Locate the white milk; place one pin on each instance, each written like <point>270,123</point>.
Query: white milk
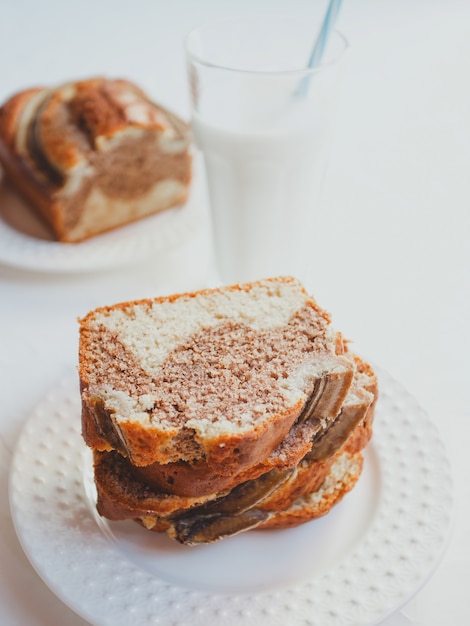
<point>265,166</point>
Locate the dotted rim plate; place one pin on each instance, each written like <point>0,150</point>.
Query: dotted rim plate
<point>403,533</point>
<point>23,244</point>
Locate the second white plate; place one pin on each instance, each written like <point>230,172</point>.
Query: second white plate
<point>355,566</point>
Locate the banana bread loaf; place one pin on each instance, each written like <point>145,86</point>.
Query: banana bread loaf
<point>93,155</point>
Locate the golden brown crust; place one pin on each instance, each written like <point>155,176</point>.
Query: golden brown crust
<point>191,295</point>
<point>200,478</point>
<point>303,511</point>
<point>365,429</point>
<point>103,106</point>
<point>311,475</point>
<point>122,497</point>
<point>9,115</point>
<point>62,144</point>
<point>19,171</point>
<point>307,478</point>
<point>99,112</point>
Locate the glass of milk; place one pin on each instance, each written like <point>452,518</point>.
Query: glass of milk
<point>263,122</point>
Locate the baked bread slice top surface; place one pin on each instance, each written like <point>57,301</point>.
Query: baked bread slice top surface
<point>207,374</point>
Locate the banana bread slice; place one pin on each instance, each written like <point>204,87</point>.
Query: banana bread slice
<point>216,377</point>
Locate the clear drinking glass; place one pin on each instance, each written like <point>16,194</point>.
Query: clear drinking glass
<point>263,122</point>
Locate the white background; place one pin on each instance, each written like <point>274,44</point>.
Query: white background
<point>392,244</point>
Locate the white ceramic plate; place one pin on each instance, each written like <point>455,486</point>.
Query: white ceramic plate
<point>25,242</point>
<point>354,566</point>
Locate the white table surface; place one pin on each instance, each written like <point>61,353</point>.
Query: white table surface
<point>392,245</point>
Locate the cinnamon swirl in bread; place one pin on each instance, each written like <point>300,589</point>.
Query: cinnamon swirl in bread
<point>217,376</point>
<point>93,155</point>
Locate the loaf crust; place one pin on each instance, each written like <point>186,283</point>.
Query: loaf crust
<point>93,155</point>
<point>319,502</point>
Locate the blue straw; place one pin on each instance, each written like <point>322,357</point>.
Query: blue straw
<point>320,44</point>
<point>327,27</point>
